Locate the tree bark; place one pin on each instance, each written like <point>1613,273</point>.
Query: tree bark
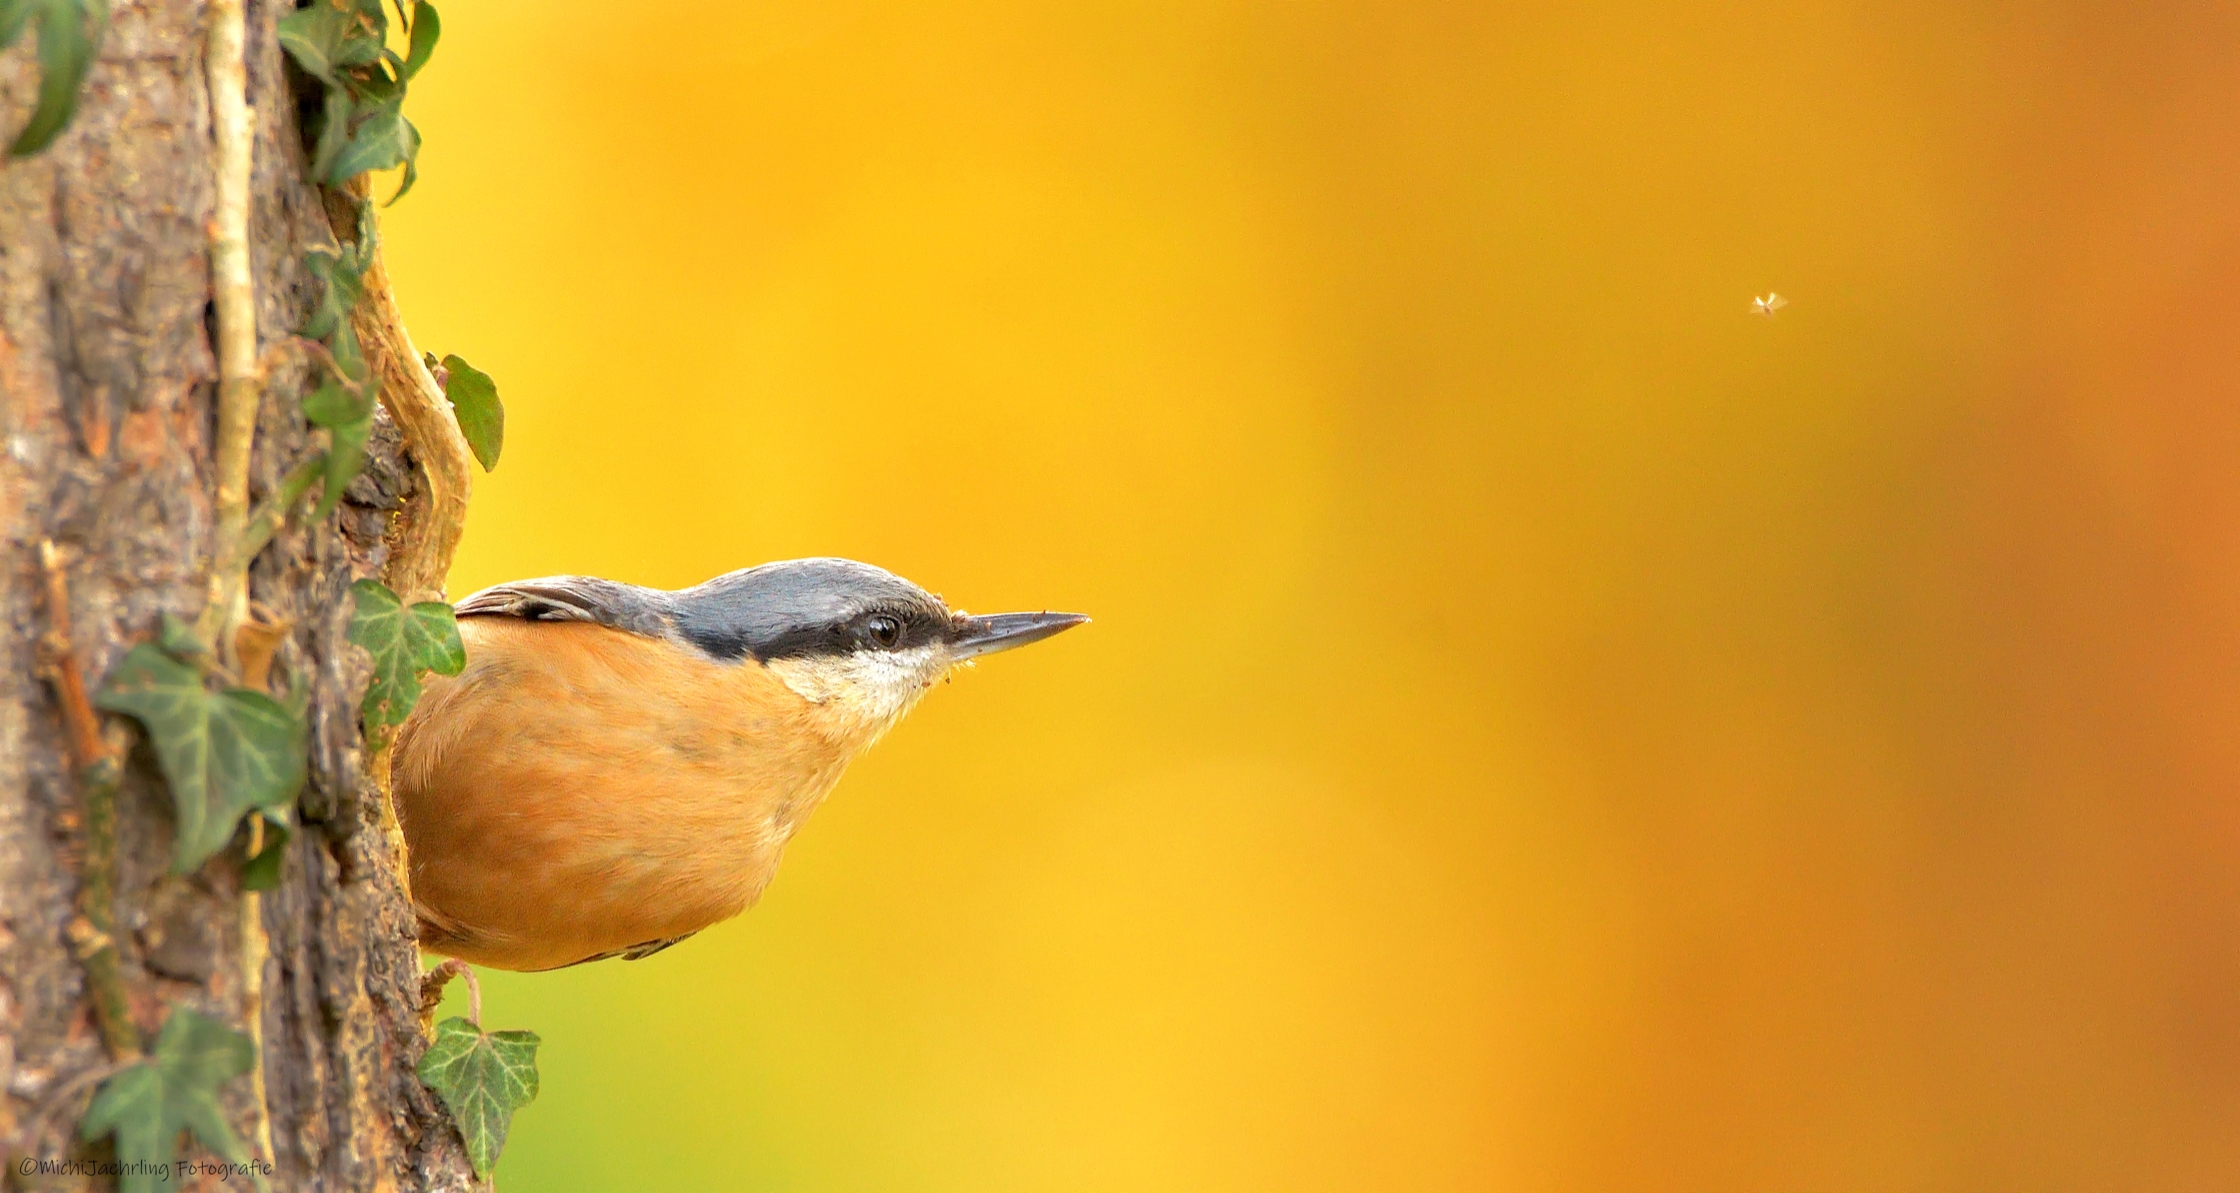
<point>107,395</point>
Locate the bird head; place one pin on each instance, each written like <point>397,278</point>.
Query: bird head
<point>859,642</point>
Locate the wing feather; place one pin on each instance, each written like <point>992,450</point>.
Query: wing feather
<point>577,598</point>
<point>636,952</point>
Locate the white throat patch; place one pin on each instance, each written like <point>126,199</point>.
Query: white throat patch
<point>865,692</point>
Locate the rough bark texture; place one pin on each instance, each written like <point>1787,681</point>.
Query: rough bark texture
<point>106,416</point>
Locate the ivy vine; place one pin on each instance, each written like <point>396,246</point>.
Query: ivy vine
<point>344,45</point>
<point>232,755</point>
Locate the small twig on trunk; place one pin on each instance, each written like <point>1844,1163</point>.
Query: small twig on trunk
<point>100,768</point>
<point>431,990</point>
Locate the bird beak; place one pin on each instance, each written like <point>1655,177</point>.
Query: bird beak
<point>971,636</point>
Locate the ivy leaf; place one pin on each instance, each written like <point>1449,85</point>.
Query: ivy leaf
<point>346,458</point>
<point>69,34</point>
<point>334,405</point>
<point>474,396</point>
<point>403,642</point>
<point>425,30</point>
<point>378,88</point>
<point>341,273</point>
<point>344,44</point>
<point>174,1090</point>
<point>347,415</point>
<point>314,37</point>
<point>411,166</point>
<point>178,640</point>
<point>346,411</point>
<point>222,753</point>
<point>334,129</point>
<point>363,48</point>
<point>383,140</point>
<point>483,1078</point>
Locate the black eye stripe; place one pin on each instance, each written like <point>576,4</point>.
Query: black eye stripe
<point>884,628</point>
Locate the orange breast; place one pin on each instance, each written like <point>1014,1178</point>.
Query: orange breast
<point>579,790</point>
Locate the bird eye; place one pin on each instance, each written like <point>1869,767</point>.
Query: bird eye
<point>884,630</point>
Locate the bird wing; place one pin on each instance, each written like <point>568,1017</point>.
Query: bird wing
<point>576,598</point>
<point>636,952</point>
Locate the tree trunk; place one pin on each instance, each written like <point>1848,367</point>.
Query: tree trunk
<point>107,395</point>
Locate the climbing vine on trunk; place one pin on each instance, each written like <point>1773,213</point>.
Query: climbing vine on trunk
<point>219,626</point>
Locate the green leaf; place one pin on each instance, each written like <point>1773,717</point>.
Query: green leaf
<point>223,753</point>
<point>69,34</point>
<point>483,1078</point>
<point>411,166</point>
<point>346,458</point>
<point>178,640</point>
<point>346,413</point>
<point>348,397</point>
<point>334,129</point>
<point>381,141</point>
<point>343,43</point>
<point>379,83</point>
<point>341,273</point>
<point>174,1090</point>
<point>474,396</point>
<point>360,50</point>
<point>425,30</point>
<point>13,16</point>
<point>334,405</point>
<point>403,642</point>
<point>315,38</point>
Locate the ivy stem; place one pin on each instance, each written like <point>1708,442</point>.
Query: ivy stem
<point>93,931</point>
<point>240,391</point>
<point>325,356</point>
<point>272,513</point>
<point>255,951</point>
<point>239,382</point>
<point>431,989</point>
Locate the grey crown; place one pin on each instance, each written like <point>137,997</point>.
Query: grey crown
<point>792,608</point>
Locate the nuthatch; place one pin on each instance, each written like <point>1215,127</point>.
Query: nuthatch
<point>619,767</point>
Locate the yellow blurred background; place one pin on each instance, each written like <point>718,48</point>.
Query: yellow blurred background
<point>1544,728</point>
